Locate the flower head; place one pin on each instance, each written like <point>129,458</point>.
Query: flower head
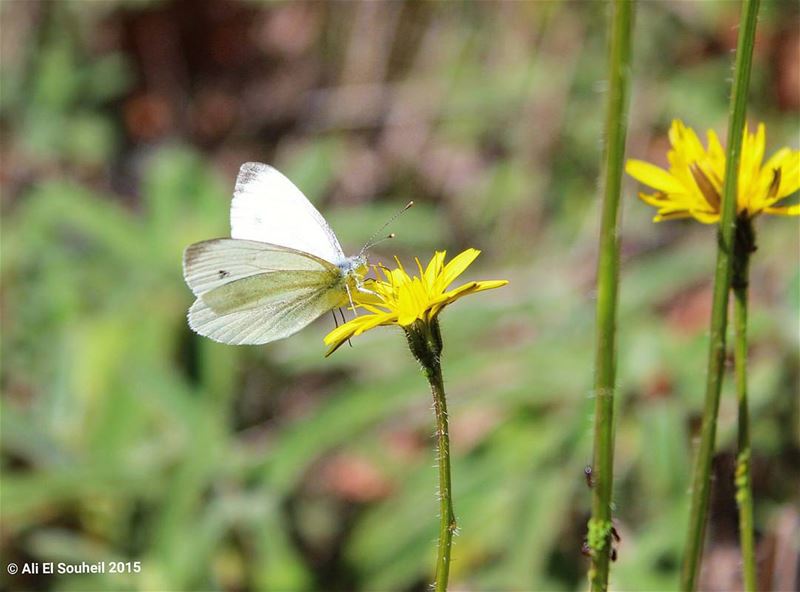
<point>693,185</point>
<point>401,299</point>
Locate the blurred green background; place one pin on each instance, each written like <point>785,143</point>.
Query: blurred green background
<point>127,437</point>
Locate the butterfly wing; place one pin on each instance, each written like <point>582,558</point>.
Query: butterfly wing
<point>253,293</point>
<point>267,207</point>
<point>214,263</point>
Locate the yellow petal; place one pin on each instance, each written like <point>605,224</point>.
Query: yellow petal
<point>434,268</point>
<point>715,151</point>
<point>654,176</point>
<point>663,217</point>
<point>786,211</point>
<point>790,174</point>
<point>685,142</point>
<point>343,332</point>
<point>373,321</point>
<point>656,199</point>
<point>357,326</point>
<point>672,203</point>
<point>759,145</point>
<point>407,318</point>
<point>456,267</point>
<point>705,217</point>
<point>465,290</point>
<point>709,192</point>
<point>489,285</point>
<point>776,161</point>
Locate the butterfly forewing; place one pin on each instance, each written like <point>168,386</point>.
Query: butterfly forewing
<point>213,263</point>
<point>267,207</point>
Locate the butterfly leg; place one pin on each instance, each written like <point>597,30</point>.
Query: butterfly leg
<point>336,321</point>
<point>363,290</point>
<point>350,297</point>
<point>341,312</point>
<point>352,307</point>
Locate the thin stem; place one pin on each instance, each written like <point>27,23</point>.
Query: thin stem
<point>744,246</point>
<point>599,538</point>
<point>447,520</point>
<point>701,478</point>
<point>425,343</point>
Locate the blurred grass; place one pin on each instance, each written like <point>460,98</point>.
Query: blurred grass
<point>125,436</point>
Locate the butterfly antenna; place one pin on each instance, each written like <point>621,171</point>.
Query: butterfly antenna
<point>372,242</point>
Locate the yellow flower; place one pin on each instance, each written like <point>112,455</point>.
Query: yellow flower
<point>401,299</point>
<point>693,184</point>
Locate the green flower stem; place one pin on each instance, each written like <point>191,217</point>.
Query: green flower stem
<point>425,342</point>
<point>447,521</point>
<point>744,246</point>
<point>701,478</point>
<point>607,286</point>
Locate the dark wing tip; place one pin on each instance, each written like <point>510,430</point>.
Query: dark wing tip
<point>250,170</point>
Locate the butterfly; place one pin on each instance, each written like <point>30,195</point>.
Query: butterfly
<point>282,268</point>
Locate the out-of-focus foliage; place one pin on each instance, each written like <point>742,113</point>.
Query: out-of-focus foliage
<point>126,437</point>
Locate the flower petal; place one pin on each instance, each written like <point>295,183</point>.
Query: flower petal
<point>434,267</point>
<point>677,215</point>
<point>790,174</point>
<point>785,211</point>
<point>457,266</point>
<point>336,338</point>
<point>656,199</point>
<point>654,176</point>
<point>705,217</point>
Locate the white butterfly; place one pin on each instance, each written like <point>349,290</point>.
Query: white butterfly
<point>282,267</point>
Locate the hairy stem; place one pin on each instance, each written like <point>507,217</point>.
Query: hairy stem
<point>701,478</point>
<point>744,247</point>
<point>607,286</point>
<point>447,520</point>
<point>425,342</point>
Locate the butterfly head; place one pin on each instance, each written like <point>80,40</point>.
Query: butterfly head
<point>354,266</point>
